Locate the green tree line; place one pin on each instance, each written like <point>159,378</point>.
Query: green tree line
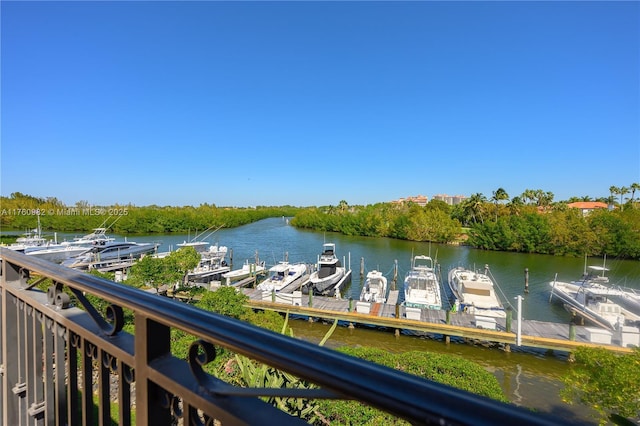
<point>528,223</point>
<point>20,212</point>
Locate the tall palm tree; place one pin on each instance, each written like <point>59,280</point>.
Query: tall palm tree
<point>634,187</point>
<point>623,190</point>
<point>474,206</point>
<point>614,190</point>
<point>499,195</point>
<point>528,195</point>
<point>515,204</point>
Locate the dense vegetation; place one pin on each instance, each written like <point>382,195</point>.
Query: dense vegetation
<point>529,223</point>
<point>20,212</point>
<point>607,382</point>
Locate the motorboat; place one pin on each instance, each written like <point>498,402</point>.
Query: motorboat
<point>247,270</point>
<point>629,300</point>
<point>329,272</point>
<point>283,275</point>
<point>107,254</point>
<point>31,239</point>
<point>56,253</point>
<point>592,299</point>
<point>374,289</point>
<point>475,292</point>
<point>59,252</point>
<point>97,236</point>
<point>213,263</point>
<point>421,285</point>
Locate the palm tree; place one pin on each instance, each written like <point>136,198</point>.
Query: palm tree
<point>528,195</point>
<point>623,190</point>
<point>614,190</point>
<point>546,199</point>
<point>634,187</point>
<point>515,204</point>
<point>499,195</point>
<point>473,206</point>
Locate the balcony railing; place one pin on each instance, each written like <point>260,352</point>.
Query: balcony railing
<point>57,358</point>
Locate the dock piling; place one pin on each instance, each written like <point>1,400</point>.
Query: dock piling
<point>572,331</point>
<point>395,275</point>
<point>526,280</point>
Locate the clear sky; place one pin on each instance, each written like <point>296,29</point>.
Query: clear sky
<point>311,103</point>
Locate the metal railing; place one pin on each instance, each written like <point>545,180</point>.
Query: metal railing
<point>56,359</point>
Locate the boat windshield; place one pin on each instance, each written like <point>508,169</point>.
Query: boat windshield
<point>421,282</point>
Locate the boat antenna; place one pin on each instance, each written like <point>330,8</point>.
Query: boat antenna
<point>210,233</point>
<point>113,223</point>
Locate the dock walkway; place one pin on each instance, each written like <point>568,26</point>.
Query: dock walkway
<point>391,315</point>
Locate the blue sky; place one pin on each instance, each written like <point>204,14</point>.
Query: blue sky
<point>310,103</point>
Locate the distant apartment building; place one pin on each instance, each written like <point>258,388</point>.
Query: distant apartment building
<point>420,200</point>
<point>452,200</point>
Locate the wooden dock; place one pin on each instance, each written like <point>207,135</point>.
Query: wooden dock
<point>439,323</point>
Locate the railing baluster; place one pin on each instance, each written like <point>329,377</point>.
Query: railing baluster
<point>73,402</point>
<point>20,387</point>
<point>60,395</point>
<point>3,342</point>
<point>87,382</point>
<point>124,394</point>
<point>152,341</point>
<point>104,389</point>
<point>11,356</point>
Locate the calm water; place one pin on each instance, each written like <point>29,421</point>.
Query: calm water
<point>274,238</point>
<point>529,378</point>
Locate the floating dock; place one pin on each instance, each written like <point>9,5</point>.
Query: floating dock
<point>391,315</point>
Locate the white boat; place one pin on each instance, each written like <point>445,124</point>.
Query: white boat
<point>98,235</point>
<point>375,288</point>
<point>109,254</point>
<point>58,253</point>
<point>247,270</point>
<point>475,292</point>
<point>591,299</point>
<point>421,285</point>
<point>31,239</point>
<point>282,275</point>
<point>212,264</point>
<point>329,272</point>
<point>629,300</point>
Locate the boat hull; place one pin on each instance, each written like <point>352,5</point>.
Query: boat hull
<point>474,293</point>
<point>575,298</point>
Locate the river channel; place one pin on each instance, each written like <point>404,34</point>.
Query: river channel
<point>529,378</point>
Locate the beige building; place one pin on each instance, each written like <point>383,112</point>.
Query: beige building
<point>420,200</point>
<point>452,200</point>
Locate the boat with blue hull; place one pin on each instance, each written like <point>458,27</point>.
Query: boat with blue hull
<point>110,254</point>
